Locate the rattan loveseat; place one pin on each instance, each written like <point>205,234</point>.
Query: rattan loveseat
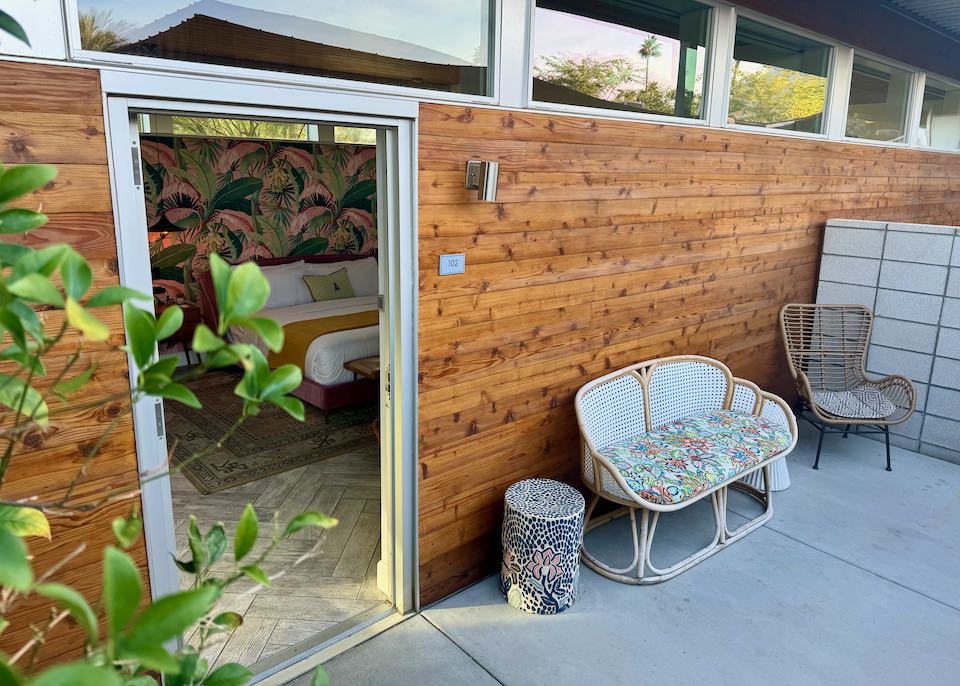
<point>661,435</point>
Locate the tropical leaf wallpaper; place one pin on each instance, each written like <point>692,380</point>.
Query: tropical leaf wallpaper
<point>246,199</point>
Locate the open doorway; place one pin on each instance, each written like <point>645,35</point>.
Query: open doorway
<point>308,201</point>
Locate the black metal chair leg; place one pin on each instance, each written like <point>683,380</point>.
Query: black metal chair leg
<point>816,464</point>
<point>846,431</point>
<point>886,431</point>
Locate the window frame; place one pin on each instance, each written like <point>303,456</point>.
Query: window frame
<point>911,123</point>
<point>162,65</point>
<point>625,115</point>
<point>955,83</point>
<point>833,68</point>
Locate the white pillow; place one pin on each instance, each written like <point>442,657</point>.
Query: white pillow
<point>286,285</point>
<point>364,274</point>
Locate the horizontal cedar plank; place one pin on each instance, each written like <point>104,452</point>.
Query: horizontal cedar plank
<point>698,334</point>
<point>444,371</point>
<point>658,312</point>
<point>447,187</point>
<point>642,310</point>
<point>51,89</point>
<point>469,218</point>
<point>90,234</point>
<point>78,188</point>
<point>83,573</point>
<point>512,274</point>
<point>494,124</point>
<point>51,138</point>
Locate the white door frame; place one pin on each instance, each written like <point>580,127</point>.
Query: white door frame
<point>395,120</point>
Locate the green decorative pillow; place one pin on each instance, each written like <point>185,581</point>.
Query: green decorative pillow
<point>330,286</point>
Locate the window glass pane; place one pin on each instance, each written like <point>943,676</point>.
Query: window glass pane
<point>779,79</point>
<point>641,56</point>
<point>421,43</point>
<point>940,116</point>
<point>878,101</point>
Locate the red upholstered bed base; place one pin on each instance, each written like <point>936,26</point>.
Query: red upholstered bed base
<point>325,397</point>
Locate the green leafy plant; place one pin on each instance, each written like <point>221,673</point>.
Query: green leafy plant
<point>131,648</point>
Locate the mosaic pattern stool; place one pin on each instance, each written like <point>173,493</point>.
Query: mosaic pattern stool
<point>542,537</point>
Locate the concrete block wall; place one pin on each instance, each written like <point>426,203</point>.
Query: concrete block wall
<point>909,275</point>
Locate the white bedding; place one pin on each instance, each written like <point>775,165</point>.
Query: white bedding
<point>328,353</point>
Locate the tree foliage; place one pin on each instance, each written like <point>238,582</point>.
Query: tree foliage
<point>593,76</point>
<point>770,95</point>
<point>100,31</point>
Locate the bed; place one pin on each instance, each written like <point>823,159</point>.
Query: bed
<point>326,384</point>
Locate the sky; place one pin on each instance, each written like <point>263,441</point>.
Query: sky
<point>557,33</point>
<point>450,26</point>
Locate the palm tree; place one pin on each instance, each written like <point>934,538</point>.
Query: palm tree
<point>651,47</point>
<point>101,32</point>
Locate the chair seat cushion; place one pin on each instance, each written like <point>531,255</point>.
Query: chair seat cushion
<point>681,460</point>
<point>861,402</point>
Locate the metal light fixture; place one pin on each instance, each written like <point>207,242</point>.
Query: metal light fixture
<point>482,177</point>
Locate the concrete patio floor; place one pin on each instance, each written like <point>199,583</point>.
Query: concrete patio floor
<point>856,580</point>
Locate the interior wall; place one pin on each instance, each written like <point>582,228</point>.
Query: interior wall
<point>246,199</point>
<point>610,243</point>
<point>54,115</point>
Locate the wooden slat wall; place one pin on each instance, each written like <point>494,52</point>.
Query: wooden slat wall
<point>610,243</point>
<point>54,115</point>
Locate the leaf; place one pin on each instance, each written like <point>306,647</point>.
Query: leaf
<point>121,590</point>
<point>170,616</point>
<point>313,519</point>
<point>12,26</point>
<point>320,677</point>
<point>215,542</point>
<point>78,674</point>
<point>173,256</point>
<point>235,195</point>
<point>24,521</point>
<point>257,574</point>
<point>76,275</point>
<point>358,195</point>
<point>177,392</point>
<point>44,261</point>
<point>197,549</point>
<point>140,327</point>
<point>17,220</point>
<point>292,406</point>
<point>11,252</point>
<point>73,385</point>
<point>91,327</point>
<point>15,569</point>
<point>149,655</point>
<point>141,680</point>
<point>14,391</point>
<point>169,322</point>
<point>268,330</point>
<point>18,181</point>
<point>75,604</point>
<point>248,528</point>
<point>228,621</point>
<point>312,246</point>
<point>115,295</point>
<point>247,291</point>
<point>127,529</point>
<point>205,340</point>
<point>9,676</point>
<point>230,674</point>
<point>281,381</point>
<point>36,288</point>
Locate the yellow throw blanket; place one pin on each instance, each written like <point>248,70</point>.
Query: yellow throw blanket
<point>298,336</point>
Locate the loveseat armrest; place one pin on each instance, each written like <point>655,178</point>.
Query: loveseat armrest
<point>775,409</point>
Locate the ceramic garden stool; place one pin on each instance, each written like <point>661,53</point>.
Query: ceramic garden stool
<point>542,537</point>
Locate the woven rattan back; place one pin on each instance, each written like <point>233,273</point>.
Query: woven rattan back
<point>828,343</point>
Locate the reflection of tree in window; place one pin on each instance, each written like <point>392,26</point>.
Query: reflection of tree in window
<point>769,95</point>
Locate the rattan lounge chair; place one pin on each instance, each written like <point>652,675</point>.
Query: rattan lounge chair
<point>827,349</point>
<point>658,436</point>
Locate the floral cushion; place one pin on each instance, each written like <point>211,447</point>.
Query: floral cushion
<point>680,460</point>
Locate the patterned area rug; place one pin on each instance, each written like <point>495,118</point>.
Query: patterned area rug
<point>270,443</point>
